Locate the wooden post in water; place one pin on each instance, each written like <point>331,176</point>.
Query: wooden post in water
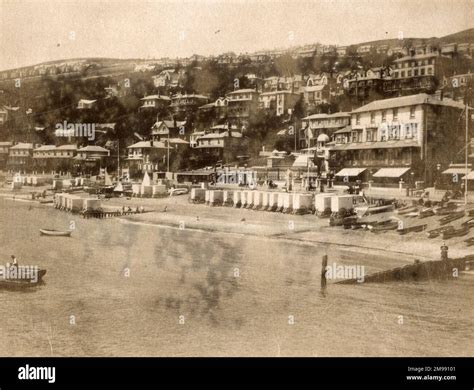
<point>323,272</point>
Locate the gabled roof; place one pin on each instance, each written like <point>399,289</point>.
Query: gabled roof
<point>326,116</point>
<point>93,148</point>
<point>156,97</point>
<point>405,101</point>
<point>221,135</point>
<point>45,148</point>
<point>147,144</point>
<point>67,147</point>
<point>168,124</point>
<point>22,145</point>
<point>246,90</point>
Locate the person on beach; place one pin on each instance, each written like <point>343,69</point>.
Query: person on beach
<point>14,262</point>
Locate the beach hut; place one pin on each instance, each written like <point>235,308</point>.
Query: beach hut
<point>159,190</point>
<point>16,185</point>
<point>322,203</point>
<point>287,202</point>
<point>265,201</point>
<point>237,198</point>
<point>302,203</point>
<point>90,204</point>
<point>228,198</point>
<point>257,200</point>
<point>339,202</point>
<point>146,191</point>
<point>73,203</point>
<point>243,198</point>
<point>249,198</point>
<point>280,201</point>
<point>272,201</point>
<point>198,195</point>
<point>63,200</point>
<point>216,197</point>
<point>136,189</point>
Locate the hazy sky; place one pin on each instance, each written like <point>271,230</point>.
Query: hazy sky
<point>33,31</point>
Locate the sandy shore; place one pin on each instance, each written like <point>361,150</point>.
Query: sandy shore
<point>177,212</point>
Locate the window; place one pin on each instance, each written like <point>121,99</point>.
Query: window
<point>384,116</point>
<point>371,135</point>
<point>395,114</point>
<point>415,72</point>
<point>409,73</point>
<point>372,117</point>
<point>430,70</point>
<point>422,71</point>
<point>412,112</point>
<point>358,119</point>
<point>396,74</point>
<point>402,73</point>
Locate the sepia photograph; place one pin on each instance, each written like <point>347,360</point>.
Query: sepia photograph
<point>237,178</point>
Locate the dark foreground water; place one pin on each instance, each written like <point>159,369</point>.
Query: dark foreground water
<point>116,289</point>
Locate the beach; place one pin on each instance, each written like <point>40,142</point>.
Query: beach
<point>200,281</point>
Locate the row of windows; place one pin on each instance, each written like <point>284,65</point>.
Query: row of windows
<point>415,72</point>
<point>394,132</point>
<point>416,63</point>
<point>384,115</point>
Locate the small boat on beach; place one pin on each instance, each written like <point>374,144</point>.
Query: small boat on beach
<point>412,229</point>
<point>406,210</point>
<point>56,233</point>
<point>451,217</point>
<point>426,213</point>
<point>383,227</point>
<point>437,232</point>
<point>462,231</point>
<point>469,241</point>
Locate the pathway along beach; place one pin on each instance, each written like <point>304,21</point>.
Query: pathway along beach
<point>127,287</point>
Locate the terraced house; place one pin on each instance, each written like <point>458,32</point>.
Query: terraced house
<point>411,133</point>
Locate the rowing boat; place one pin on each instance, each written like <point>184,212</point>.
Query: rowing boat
<point>18,283</point>
<point>57,233</point>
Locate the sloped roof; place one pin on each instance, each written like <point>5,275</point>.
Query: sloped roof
<point>221,135</point>
<point>22,145</point>
<point>44,148</point>
<point>93,148</point>
<point>147,144</point>
<point>156,97</point>
<point>404,101</point>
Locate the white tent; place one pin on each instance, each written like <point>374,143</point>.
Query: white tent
<point>118,187</point>
<point>146,180</point>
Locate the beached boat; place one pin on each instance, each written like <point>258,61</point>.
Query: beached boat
<point>363,211</point>
<point>383,227</point>
<point>451,217</point>
<point>412,229</point>
<point>462,231</point>
<point>50,232</point>
<point>406,210</point>
<point>426,213</point>
<point>469,222</point>
<point>437,232</point>
<point>469,241</point>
